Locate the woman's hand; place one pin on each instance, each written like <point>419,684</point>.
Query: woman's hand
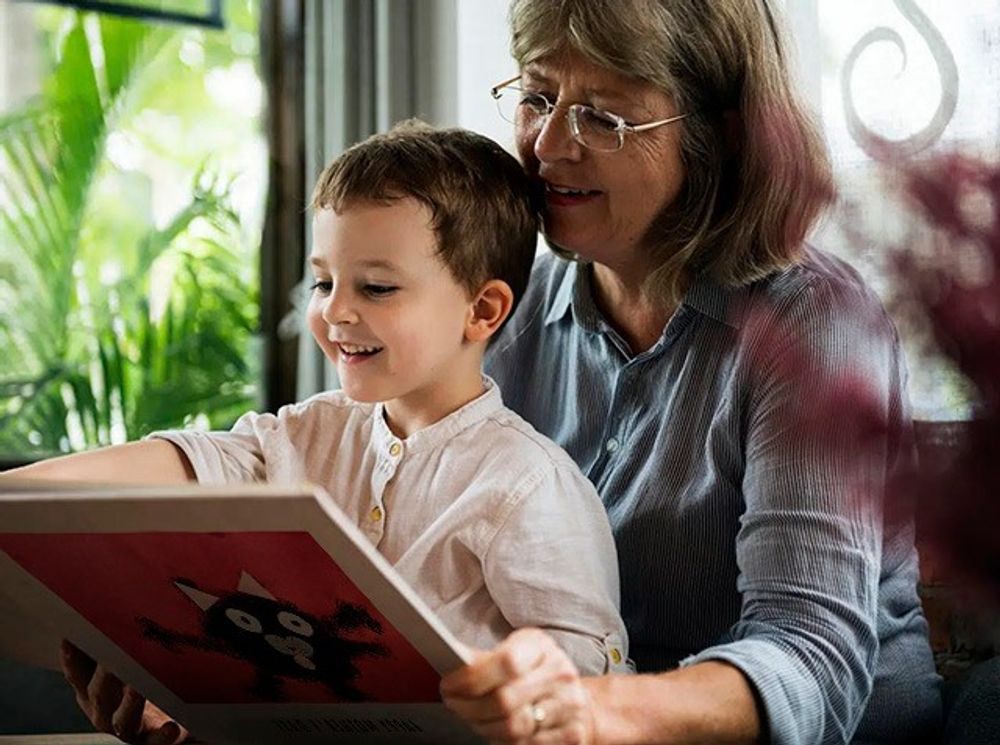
<point>115,708</point>
<point>525,691</point>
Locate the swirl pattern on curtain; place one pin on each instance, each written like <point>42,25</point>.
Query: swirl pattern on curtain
<point>874,145</point>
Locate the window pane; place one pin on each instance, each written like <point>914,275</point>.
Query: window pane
<point>924,78</point>
<point>133,171</point>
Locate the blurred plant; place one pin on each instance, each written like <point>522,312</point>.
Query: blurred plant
<point>947,288</point>
<point>100,352</point>
<point>954,288</point>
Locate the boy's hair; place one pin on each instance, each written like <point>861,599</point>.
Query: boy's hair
<point>479,196</point>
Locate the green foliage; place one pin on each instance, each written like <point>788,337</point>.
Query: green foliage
<point>115,321</point>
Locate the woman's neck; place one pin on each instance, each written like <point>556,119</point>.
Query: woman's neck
<point>628,307</point>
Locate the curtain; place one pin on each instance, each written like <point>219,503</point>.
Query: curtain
<point>359,80</point>
<point>894,81</point>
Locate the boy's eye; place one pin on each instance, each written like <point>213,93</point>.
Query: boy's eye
<point>322,286</point>
<point>379,290</point>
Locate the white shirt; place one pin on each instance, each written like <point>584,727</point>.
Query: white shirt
<point>491,523</point>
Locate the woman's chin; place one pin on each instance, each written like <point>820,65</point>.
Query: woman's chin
<point>573,244</point>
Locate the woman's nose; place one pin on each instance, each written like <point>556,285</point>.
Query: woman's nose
<point>553,139</point>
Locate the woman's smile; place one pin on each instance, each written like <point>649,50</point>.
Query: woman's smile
<point>559,195</point>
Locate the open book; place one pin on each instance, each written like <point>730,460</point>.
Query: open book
<point>249,613</point>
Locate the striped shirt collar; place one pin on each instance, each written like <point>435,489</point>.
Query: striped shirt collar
<point>705,296</point>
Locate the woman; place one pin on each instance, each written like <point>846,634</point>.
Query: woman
<point>674,361</point>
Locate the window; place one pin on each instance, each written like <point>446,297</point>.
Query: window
<point>924,79</point>
<point>133,173</point>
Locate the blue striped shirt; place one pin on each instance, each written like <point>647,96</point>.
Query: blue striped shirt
<point>740,535</point>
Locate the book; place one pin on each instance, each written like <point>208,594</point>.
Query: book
<point>249,613</point>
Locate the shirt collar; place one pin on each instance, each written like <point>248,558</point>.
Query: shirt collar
<point>564,295</point>
<point>386,444</point>
<point>706,296</point>
<point>574,295</point>
<point>722,304</point>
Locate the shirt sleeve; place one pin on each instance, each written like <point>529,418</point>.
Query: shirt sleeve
<point>236,456</point>
<point>552,564</point>
<point>824,375</point>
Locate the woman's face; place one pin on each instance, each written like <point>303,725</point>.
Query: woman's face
<point>600,204</point>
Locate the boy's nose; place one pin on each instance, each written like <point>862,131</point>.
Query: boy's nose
<point>338,310</point>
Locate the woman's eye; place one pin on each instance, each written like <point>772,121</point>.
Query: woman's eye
<point>322,286</point>
<point>599,120</point>
<point>379,290</point>
<point>538,103</point>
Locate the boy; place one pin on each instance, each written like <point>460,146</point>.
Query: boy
<point>422,242</point>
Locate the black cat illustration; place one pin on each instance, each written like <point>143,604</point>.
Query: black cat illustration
<point>277,638</point>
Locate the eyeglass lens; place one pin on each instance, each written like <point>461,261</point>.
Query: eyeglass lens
<point>590,127</point>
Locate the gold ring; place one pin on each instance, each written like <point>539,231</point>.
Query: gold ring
<point>538,715</point>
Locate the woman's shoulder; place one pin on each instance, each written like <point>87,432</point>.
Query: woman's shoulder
<point>815,270</point>
<point>819,288</point>
<point>821,316</point>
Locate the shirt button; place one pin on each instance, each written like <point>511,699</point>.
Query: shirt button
<point>376,514</point>
<point>616,656</point>
<point>395,449</point>
<point>612,445</point>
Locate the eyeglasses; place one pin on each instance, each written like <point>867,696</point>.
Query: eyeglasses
<point>593,128</point>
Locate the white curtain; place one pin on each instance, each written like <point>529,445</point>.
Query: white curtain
<point>914,78</point>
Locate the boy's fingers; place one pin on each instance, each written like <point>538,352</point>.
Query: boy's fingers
<point>77,667</point>
<point>114,708</point>
<point>128,717</point>
<point>105,696</point>
<point>169,733</point>
<point>161,728</point>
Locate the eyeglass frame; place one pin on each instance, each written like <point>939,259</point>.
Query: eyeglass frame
<point>621,125</point>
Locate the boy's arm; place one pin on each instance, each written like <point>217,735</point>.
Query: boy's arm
<point>145,462</point>
<point>553,565</point>
<point>109,705</point>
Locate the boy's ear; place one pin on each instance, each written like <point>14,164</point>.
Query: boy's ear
<point>488,310</point>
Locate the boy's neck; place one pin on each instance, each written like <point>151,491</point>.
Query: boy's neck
<point>432,403</point>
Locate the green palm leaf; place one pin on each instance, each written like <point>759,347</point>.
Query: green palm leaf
<point>85,360</point>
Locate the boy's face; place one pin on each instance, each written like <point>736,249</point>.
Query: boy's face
<point>385,309</point>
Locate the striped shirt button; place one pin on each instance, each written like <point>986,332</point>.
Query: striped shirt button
<point>376,514</point>
<point>612,445</point>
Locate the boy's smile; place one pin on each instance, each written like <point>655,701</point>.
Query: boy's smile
<point>386,310</point>
<point>355,354</point>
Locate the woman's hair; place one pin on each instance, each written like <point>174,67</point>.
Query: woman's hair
<point>757,173</point>
<point>480,199</point>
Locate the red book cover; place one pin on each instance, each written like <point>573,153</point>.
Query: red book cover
<point>260,610</point>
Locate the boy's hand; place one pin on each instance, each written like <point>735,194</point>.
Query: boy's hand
<point>115,708</point>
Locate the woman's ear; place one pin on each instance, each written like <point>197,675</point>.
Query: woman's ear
<point>488,310</point>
